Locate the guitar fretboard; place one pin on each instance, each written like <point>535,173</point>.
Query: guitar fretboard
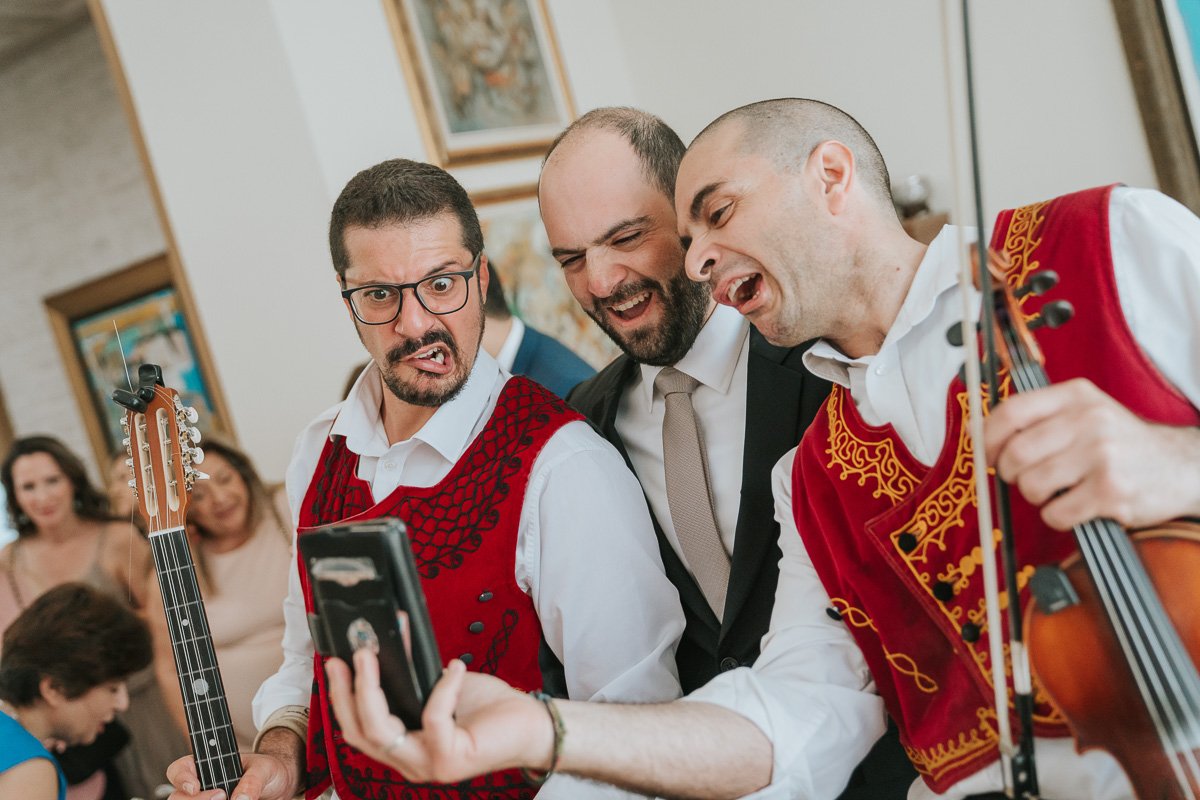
<point>209,727</point>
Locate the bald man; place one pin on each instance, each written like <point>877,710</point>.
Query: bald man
<point>784,209</point>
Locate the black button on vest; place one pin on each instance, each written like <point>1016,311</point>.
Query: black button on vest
<point>475,627</point>
<point>970,632</point>
<point>907,542</point>
<point>466,658</point>
<point>728,663</point>
<point>483,598</point>
<point>943,591</point>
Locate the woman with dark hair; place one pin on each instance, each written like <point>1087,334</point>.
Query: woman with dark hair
<point>65,531</point>
<point>241,543</point>
<point>62,677</point>
<point>66,534</point>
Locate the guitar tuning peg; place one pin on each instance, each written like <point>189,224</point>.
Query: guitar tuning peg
<point>1053,315</point>
<point>197,455</point>
<point>129,462</point>
<point>194,434</point>
<point>190,413</point>
<point>1038,284</point>
<point>201,476</point>
<point>125,443</point>
<point>132,483</point>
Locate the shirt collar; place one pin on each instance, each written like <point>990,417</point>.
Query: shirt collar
<point>937,272</point>
<point>713,357</point>
<point>446,431</point>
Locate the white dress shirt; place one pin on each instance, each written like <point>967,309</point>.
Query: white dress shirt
<point>810,691</point>
<point>512,343</point>
<point>718,360</point>
<point>586,551</point>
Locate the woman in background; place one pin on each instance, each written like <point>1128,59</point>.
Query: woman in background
<point>62,677</point>
<point>241,543</point>
<point>66,534</point>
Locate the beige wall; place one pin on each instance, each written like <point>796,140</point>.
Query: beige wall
<point>255,112</point>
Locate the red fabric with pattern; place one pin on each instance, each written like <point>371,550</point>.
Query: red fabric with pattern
<point>464,533</point>
<point>880,526</point>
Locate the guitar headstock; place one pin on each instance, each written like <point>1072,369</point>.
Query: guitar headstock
<point>161,442</point>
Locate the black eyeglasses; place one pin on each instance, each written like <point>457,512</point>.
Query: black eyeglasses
<point>444,293</point>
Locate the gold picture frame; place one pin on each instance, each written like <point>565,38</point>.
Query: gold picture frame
<point>487,79</point>
<point>152,314</point>
<point>1153,34</point>
<point>537,293</point>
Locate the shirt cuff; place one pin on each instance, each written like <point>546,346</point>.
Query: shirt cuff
<point>293,718</point>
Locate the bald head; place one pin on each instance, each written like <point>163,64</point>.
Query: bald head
<point>787,130</point>
<point>658,148</point>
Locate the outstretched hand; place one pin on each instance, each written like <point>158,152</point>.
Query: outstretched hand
<point>265,777</point>
<point>472,723</point>
<point>1078,454</point>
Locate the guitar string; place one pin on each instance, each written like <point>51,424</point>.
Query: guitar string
<point>1143,632</point>
<point>212,700</point>
<point>204,724</point>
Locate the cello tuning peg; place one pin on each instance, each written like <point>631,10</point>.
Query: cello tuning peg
<point>1053,315</point>
<point>1038,284</point>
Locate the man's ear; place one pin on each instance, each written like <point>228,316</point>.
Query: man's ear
<point>341,284</point>
<point>485,277</point>
<point>833,164</point>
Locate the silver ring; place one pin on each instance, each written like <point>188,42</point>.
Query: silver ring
<point>399,740</point>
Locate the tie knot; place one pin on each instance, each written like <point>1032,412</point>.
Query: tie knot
<point>672,381</point>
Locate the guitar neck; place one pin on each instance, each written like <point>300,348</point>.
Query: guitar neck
<point>210,729</point>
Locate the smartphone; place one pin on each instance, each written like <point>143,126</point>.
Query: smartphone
<point>366,593</point>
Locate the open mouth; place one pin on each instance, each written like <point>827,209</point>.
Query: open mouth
<point>435,359</point>
<point>740,292</point>
<point>631,308</point>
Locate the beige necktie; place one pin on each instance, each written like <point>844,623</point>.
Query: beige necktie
<point>689,494</point>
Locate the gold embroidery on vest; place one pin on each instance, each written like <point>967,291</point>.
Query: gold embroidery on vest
<point>900,662</point>
<point>863,460</point>
<point>936,761</point>
<point>1021,240</point>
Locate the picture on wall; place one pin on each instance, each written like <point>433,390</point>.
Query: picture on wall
<point>150,329</point>
<point>537,293</point>
<point>487,78</point>
<point>108,328</point>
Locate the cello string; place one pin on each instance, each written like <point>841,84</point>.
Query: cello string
<point>1144,629</point>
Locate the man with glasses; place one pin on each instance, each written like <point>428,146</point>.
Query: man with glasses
<point>529,532</point>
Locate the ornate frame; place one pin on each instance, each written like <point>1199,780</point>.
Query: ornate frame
<point>412,29</point>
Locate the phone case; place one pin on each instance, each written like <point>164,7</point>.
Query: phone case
<point>362,574</point>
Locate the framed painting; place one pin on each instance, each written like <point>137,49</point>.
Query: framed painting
<point>107,328</point>
<point>487,79</point>
<point>537,293</point>
<point>1162,45</point>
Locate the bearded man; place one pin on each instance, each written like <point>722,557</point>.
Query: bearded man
<point>529,532</point>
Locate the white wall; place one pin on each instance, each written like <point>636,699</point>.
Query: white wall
<point>1057,109</point>
<point>256,112</point>
<point>73,207</point>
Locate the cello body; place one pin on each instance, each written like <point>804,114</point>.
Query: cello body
<point>1079,662</point>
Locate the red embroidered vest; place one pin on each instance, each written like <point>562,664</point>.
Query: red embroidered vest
<point>895,543</point>
<point>464,534</point>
